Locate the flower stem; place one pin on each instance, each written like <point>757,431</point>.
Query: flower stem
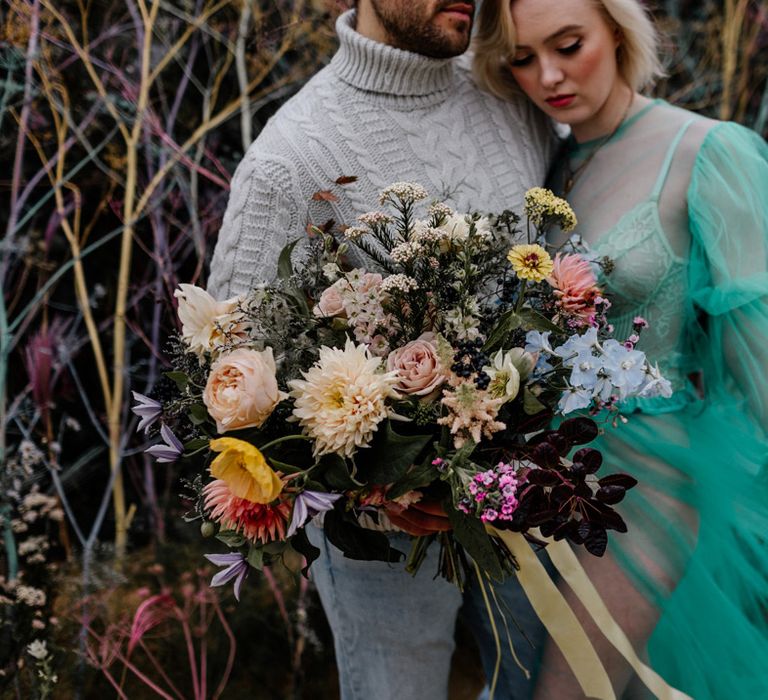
<point>285,438</point>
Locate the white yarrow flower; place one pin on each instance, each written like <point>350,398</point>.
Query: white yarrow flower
<point>342,399</point>
<point>374,219</point>
<point>403,283</point>
<point>440,210</point>
<point>404,191</point>
<point>405,252</point>
<point>355,233</point>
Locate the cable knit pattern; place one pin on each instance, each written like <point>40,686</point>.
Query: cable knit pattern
<point>383,115</point>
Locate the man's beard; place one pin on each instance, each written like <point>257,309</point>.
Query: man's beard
<point>410,28</point>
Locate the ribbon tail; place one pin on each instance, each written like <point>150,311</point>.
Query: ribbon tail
<point>567,563</point>
<point>556,615</point>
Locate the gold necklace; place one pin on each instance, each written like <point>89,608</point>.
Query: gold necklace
<point>571,175</point>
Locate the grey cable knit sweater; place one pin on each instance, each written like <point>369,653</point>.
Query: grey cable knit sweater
<point>383,115</point>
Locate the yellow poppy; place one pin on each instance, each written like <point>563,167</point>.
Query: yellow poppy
<point>245,470</point>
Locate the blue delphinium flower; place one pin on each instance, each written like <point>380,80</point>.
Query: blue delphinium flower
<point>574,398</point>
<point>584,370</point>
<point>655,384</point>
<point>536,341</point>
<point>576,346</point>
<point>625,368</point>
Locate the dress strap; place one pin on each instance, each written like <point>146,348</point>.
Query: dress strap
<point>668,160</point>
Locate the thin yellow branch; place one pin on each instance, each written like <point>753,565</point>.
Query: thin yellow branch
<point>198,22</point>
<point>733,21</point>
<point>226,112</point>
<point>57,182</point>
<point>89,67</point>
<point>123,278</point>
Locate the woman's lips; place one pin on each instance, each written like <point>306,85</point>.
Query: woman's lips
<point>560,101</point>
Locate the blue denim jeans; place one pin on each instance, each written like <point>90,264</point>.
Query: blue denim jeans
<point>394,633</point>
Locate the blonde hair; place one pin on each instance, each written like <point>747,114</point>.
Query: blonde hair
<point>494,43</point>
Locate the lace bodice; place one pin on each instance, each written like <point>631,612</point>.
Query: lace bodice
<point>646,244</point>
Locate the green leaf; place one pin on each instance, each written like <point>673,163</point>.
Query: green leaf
<point>284,466</point>
<point>231,538</point>
<point>390,455</point>
<point>356,542</point>
<point>470,534</point>
<point>300,542</point>
<point>285,272</point>
<point>195,444</point>
<point>284,265</point>
<point>180,378</point>
<point>534,320</point>
<point>507,323</point>
<point>336,473</point>
<point>198,414</point>
<point>255,558</point>
<point>462,455</point>
<point>417,478</point>
<point>531,405</point>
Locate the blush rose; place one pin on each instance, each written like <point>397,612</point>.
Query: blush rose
<point>419,370</point>
<point>242,391</point>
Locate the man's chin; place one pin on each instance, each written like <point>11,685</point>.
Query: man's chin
<point>453,43</point>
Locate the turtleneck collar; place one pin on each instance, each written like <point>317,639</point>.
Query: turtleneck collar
<point>374,67</point>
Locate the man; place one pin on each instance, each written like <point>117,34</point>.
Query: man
<point>394,104</point>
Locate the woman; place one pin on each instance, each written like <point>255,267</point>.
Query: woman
<point>679,203</point>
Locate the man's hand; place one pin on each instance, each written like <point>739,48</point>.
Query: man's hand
<point>423,518</point>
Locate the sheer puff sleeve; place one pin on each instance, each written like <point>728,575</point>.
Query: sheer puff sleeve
<point>728,213</point>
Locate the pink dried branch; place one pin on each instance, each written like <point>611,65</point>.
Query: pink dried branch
<point>152,612</point>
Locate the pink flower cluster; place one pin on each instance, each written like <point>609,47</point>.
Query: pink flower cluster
<point>492,494</point>
<point>357,297</point>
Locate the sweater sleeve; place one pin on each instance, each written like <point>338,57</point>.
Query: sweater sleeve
<point>266,210</point>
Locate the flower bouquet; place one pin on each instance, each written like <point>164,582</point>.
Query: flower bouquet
<point>423,356</point>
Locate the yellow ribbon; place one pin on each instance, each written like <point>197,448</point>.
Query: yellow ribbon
<point>564,627</point>
<point>556,615</point>
<point>573,573</point>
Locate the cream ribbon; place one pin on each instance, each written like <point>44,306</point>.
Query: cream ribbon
<point>566,562</point>
<point>563,626</point>
<point>557,616</point>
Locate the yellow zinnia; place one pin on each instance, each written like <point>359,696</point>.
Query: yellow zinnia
<point>245,470</point>
<point>530,262</point>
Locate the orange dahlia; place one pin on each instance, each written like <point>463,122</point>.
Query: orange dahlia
<point>575,285</point>
<point>258,522</point>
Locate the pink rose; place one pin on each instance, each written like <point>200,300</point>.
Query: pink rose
<point>331,302</point>
<point>241,391</point>
<point>368,282</point>
<point>418,366</point>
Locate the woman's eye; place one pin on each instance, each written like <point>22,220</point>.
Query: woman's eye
<point>520,61</point>
<point>571,48</point>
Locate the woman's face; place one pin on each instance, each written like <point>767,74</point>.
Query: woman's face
<point>565,61</point>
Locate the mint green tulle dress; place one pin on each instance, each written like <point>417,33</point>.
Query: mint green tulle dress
<point>680,205</point>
